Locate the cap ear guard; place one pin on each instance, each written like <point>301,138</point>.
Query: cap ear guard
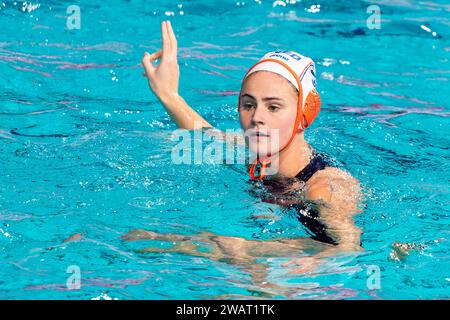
<point>311,108</point>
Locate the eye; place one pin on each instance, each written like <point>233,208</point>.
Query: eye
<point>247,106</point>
<point>273,108</point>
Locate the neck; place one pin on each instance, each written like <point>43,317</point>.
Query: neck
<point>292,159</point>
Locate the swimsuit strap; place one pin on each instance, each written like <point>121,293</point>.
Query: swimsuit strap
<point>317,163</point>
<point>308,215</point>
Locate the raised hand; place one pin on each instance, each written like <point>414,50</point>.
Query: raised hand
<point>163,81</point>
<point>163,78</point>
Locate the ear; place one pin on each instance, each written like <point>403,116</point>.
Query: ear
<point>312,107</point>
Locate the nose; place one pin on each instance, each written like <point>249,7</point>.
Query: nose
<point>258,117</point>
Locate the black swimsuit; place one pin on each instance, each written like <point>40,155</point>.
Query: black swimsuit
<point>308,214</point>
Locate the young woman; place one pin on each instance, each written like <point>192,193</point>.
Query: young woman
<point>277,102</point>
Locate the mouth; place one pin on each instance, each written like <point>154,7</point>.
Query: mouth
<point>259,134</point>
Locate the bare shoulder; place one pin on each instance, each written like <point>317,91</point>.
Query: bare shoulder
<point>335,187</point>
<point>334,175</point>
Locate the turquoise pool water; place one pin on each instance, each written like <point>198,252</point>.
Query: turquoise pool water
<point>86,148</point>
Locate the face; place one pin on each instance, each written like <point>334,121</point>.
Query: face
<point>267,111</point>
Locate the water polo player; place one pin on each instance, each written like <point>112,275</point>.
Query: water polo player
<point>278,94</point>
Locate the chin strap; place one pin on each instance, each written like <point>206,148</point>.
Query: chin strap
<point>262,171</point>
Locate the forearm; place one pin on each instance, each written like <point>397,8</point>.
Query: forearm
<point>184,116</point>
<point>341,227</point>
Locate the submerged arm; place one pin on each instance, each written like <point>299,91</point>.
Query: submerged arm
<point>336,195</point>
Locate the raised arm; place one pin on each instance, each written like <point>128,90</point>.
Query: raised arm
<point>163,81</point>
